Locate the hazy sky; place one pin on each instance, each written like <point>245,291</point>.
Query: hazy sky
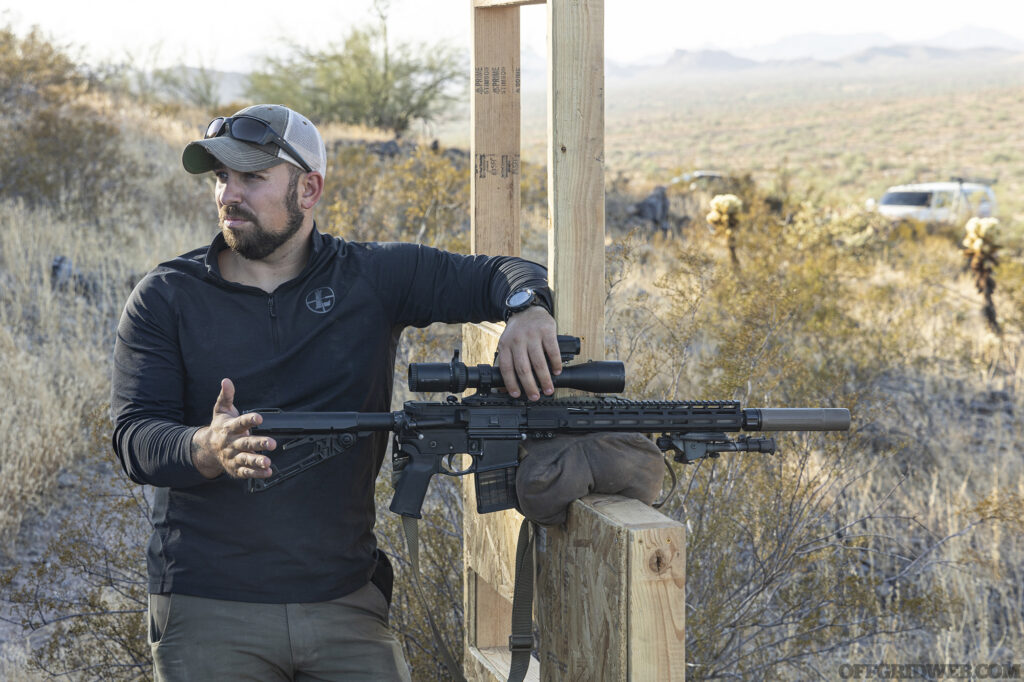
<point>228,35</point>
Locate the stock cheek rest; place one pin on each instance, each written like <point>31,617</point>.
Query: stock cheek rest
<point>552,473</point>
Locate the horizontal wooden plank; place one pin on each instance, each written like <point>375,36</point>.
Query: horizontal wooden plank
<point>480,4</point>
<point>496,662</point>
<point>611,593</point>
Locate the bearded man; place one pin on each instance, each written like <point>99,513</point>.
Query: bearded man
<point>286,584</point>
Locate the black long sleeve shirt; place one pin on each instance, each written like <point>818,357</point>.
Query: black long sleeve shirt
<point>323,341</point>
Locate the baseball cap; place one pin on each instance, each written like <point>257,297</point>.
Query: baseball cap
<point>295,129</point>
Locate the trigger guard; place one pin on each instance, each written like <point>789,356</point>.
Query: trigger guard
<point>448,465</point>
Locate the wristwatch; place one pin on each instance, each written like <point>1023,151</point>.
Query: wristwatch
<point>520,300</point>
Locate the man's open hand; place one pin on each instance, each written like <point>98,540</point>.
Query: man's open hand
<point>225,446</point>
<point>528,353</point>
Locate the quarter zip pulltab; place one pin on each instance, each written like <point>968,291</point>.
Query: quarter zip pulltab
<point>271,308</point>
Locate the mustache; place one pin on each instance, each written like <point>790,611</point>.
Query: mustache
<point>236,212</point>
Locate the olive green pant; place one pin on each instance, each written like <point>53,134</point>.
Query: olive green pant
<point>193,638</point>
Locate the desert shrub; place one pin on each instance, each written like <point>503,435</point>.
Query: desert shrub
<point>420,196</point>
<point>63,151</point>
<point>34,71</point>
<point>86,605</point>
<point>836,547</point>
<point>364,80</point>
<point>80,150</point>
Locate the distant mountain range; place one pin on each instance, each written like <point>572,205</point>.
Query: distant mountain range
<point>892,58</point>
<point>804,53</point>
<point>717,60</point>
<point>830,47</point>
<point>824,47</point>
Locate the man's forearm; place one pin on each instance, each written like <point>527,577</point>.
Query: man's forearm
<point>157,452</point>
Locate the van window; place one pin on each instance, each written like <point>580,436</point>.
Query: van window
<point>907,199</point>
<point>943,199</point>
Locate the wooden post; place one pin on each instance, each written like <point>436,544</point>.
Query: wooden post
<point>610,589</point>
<point>576,169</point>
<point>609,598</point>
<point>495,111</point>
<point>490,540</point>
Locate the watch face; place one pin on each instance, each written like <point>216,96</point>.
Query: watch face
<point>519,298</point>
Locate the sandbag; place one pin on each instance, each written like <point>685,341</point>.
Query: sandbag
<point>552,473</point>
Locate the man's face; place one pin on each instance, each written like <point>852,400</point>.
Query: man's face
<point>259,210</point>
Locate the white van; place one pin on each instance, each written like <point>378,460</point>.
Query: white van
<point>951,202</point>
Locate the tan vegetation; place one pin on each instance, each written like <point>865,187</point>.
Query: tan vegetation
<point>902,541</point>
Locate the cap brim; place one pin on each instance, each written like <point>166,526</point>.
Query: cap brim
<point>202,156</point>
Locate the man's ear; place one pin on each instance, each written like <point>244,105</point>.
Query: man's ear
<point>312,188</point>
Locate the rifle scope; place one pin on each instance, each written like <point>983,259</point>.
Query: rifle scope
<point>455,377</point>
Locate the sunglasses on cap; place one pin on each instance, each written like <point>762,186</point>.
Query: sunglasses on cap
<point>252,130</point>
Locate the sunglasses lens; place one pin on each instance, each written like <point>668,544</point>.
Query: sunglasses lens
<point>253,131</point>
<point>215,128</point>
<point>249,130</point>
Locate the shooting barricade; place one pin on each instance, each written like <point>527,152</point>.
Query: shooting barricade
<point>609,584</point>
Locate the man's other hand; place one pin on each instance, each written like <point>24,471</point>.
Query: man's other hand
<point>528,353</point>
<point>225,446</point>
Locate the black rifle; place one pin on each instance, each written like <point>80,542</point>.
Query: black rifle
<point>489,427</point>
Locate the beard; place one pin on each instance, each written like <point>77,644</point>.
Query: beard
<point>258,243</point>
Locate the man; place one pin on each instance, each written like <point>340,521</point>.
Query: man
<point>286,583</point>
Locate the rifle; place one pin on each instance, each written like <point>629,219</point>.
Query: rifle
<point>489,426</point>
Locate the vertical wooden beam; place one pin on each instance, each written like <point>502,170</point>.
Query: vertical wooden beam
<point>576,169</point>
<point>488,556</point>
<point>490,540</point>
<point>495,111</point>
<point>610,582</point>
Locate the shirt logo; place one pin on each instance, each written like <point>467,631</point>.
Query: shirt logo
<point>320,300</point>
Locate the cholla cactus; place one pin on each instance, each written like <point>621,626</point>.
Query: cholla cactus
<point>980,247</point>
<point>724,218</point>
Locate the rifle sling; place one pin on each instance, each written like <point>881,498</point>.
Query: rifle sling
<point>412,540</point>
<point>520,642</point>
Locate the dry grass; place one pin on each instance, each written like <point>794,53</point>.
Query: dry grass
<point>828,306</point>
<point>842,138</point>
<point>930,481</point>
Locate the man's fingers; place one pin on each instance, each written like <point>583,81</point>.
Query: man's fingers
<point>508,371</point>
<point>240,425</point>
<point>553,352</point>
<point>517,372</point>
<point>539,360</point>
<point>251,465</point>
<point>226,399</point>
<point>525,371</point>
<point>256,444</point>
<point>248,472</point>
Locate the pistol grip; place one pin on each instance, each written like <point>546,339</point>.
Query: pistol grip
<point>411,476</point>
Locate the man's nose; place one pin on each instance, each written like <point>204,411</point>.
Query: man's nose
<point>230,192</point>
